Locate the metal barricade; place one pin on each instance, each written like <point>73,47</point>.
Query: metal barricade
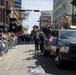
<point>8,45</point>
<point>5,48</point>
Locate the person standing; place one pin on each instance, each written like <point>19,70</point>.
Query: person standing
<point>36,40</point>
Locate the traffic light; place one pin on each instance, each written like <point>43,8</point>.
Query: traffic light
<point>73,2</point>
<point>36,11</point>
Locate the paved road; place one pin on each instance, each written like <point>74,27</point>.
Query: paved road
<point>19,59</point>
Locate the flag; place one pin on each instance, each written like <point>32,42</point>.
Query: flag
<point>51,39</point>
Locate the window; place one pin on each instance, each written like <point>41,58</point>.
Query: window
<point>64,6</point>
<point>68,35</point>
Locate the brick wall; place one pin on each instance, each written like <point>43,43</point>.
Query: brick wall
<point>2,14</point>
<point>2,11</point>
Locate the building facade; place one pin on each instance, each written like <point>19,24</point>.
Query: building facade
<point>45,18</point>
<point>15,14</point>
<point>61,7</point>
<point>17,4</point>
<point>4,16</point>
<point>6,13</point>
<point>2,6</point>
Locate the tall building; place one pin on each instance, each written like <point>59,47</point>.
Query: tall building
<point>4,16</point>
<point>61,7</point>
<point>45,18</point>
<point>17,4</point>
<point>15,15</point>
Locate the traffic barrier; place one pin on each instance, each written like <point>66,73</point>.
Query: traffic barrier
<point>8,45</point>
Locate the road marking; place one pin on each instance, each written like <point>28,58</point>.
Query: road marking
<point>6,57</point>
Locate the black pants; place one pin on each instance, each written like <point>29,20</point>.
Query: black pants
<point>41,47</point>
<point>36,47</point>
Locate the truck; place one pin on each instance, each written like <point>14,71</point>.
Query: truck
<point>62,44</point>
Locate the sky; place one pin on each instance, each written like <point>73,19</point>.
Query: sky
<point>33,17</point>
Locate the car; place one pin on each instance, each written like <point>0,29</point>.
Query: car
<point>62,44</point>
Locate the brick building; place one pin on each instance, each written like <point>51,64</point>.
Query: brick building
<point>4,17</point>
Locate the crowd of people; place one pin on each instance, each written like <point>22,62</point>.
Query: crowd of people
<point>24,37</point>
<point>15,39</point>
<point>38,38</point>
<point>5,38</point>
<point>39,35</point>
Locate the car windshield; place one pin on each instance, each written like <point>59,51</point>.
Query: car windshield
<point>67,34</point>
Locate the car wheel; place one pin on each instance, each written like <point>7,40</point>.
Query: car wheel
<point>45,52</point>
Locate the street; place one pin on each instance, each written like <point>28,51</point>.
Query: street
<point>21,57</point>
